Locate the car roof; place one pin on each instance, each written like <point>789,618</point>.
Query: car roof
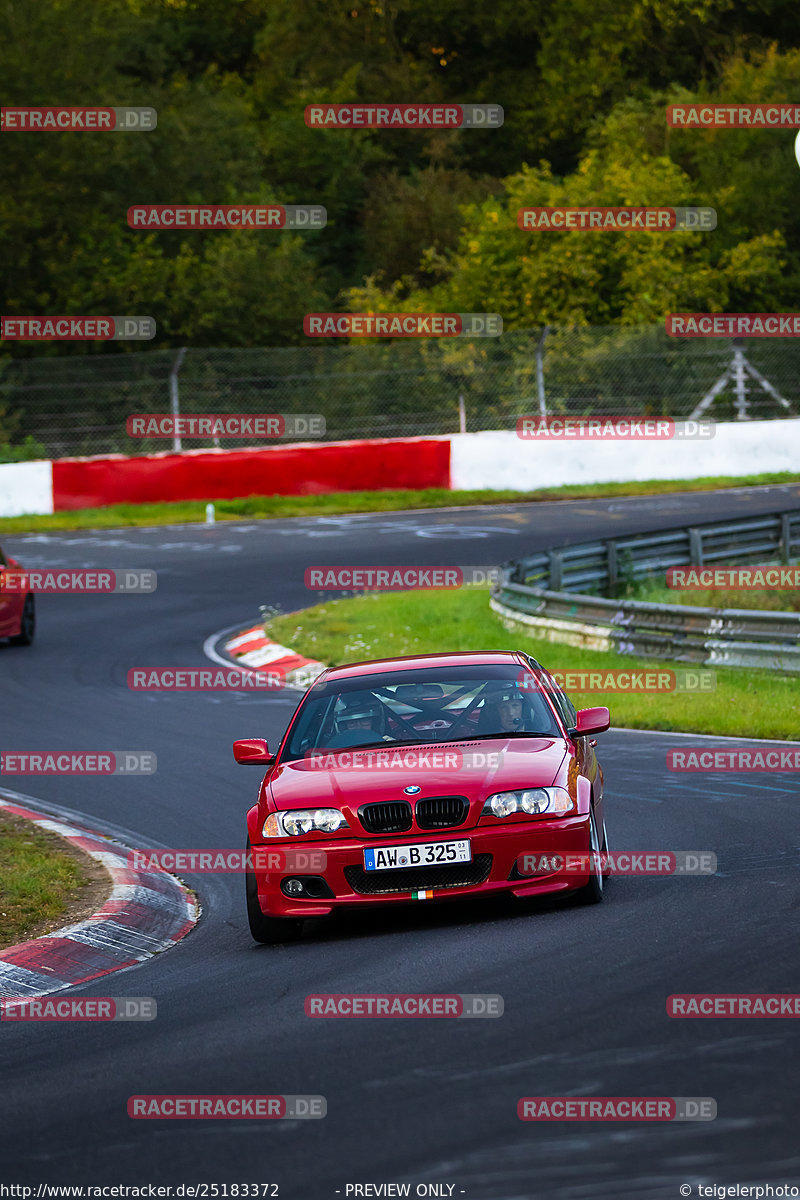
<point>410,662</point>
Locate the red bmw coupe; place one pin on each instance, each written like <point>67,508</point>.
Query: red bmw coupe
<point>17,608</point>
<point>431,777</point>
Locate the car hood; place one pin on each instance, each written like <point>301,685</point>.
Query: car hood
<point>334,781</point>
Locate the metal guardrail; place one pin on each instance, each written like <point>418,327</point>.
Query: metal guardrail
<point>604,565</point>
<point>545,593</point>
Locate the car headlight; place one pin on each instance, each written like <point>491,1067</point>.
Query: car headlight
<point>304,820</point>
<point>502,804</point>
<point>531,801</point>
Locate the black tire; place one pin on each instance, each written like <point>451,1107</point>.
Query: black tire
<point>594,890</point>
<point>269,931</point>
<point>604,848</point>
<point>27,625</point>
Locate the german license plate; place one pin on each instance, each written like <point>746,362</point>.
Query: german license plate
<point>420,854</point>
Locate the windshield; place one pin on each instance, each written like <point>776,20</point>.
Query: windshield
<point>421,706</point>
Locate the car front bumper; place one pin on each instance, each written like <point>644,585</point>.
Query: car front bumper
<point>496,850</point>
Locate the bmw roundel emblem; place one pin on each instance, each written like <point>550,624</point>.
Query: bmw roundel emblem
<point>412,790</point>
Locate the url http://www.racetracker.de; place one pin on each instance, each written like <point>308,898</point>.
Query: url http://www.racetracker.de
<point>193,1191</point>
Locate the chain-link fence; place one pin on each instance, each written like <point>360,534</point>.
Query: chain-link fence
<point>79,405</point>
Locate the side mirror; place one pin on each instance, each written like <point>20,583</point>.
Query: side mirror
<point>590,720</point>
<point>252,752</point>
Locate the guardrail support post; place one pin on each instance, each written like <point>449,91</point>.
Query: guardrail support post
<point>695,547</point>
<point>611,548</point>
<point>786,538</point>
<point>540,371</point>
<point>173,394</point>
<point>556,570</point>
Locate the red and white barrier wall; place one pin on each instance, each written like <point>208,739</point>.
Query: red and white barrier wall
<point>26,488</point>
<point>502,460</point>
<point>493,460</point>
<point>299,469</point>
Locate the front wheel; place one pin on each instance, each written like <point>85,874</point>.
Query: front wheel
<point>269,931</point>
<point>27,624</point>
<point>607,858</point>
<point>593,892</point>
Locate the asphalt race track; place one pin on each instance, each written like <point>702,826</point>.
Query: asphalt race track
<point>419,1101</point>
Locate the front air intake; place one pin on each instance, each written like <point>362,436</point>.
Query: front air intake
<point>391,817</point>
<point>442,812</point>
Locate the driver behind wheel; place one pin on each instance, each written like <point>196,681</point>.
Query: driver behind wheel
<point>504,711</point>
<point>359,711</point>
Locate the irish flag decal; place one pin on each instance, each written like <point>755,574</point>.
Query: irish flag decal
<point>426,895</point>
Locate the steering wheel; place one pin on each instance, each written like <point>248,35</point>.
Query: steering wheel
<point>349,738</point>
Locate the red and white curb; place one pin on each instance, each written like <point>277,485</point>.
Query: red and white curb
<point>146,913</point>
<point>253,649</point>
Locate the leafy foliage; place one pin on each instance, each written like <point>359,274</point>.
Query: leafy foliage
<point>426,219</point>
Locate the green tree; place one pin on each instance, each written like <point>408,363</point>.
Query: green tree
<point>574,277</point>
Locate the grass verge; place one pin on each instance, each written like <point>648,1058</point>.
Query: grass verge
<point>655,591</point>
<point>41,882</point>
<point>191,512</point>
<point>744,703</point>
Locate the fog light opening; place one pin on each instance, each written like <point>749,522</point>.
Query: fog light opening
<point>306,887</point>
